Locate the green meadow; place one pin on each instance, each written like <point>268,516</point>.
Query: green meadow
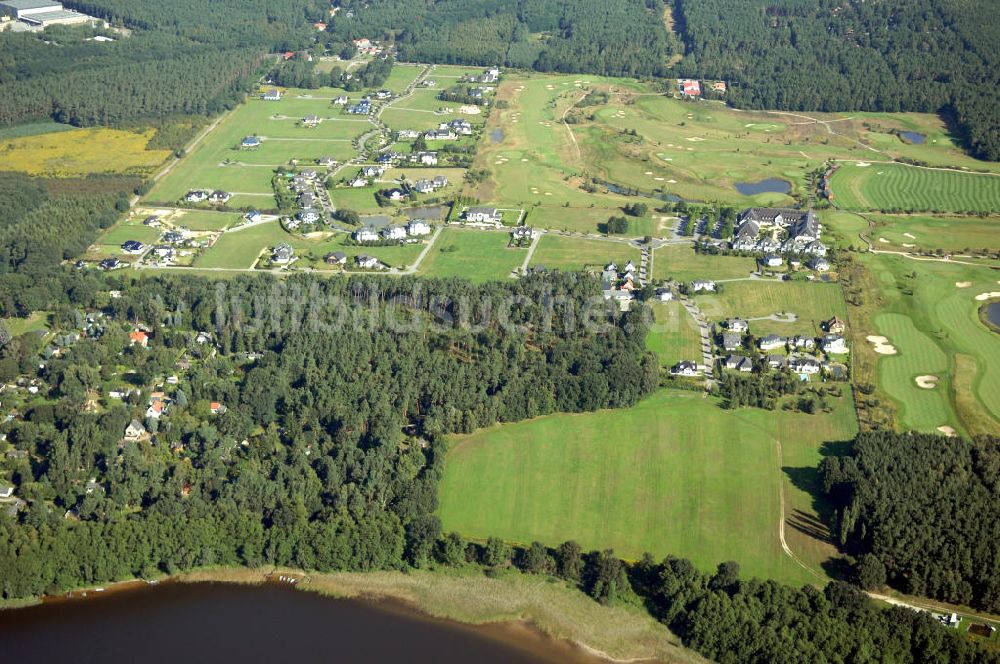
<point>673,335</point>
<point>574,253</point>
<point>673,475</point>
<point>928,233</point>
<point>811,302</point>
<point>682,263</point>
<point>474,255</point>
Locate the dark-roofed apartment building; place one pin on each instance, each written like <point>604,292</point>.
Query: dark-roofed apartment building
<point>801,228</point>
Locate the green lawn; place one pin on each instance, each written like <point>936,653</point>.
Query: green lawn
<point>574,253</point>
<point>812,302</point>
<point>475,255</point>
<point>929,313</point>
<point>928,233</point>
<point>674,335</point>
<point>882,186</point>
<point>673,475</point>
<point>681,263</point>
<point>588,219</point>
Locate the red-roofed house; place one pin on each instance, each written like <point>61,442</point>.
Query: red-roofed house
<point>217,408</point>
<point>289,55</point>
<point>138,337</point>
<point>690,87</point>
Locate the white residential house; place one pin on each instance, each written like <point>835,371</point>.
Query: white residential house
<point>664,294</point>
<point>407,134</point>
<point>394,233</point>
<point>700,285</point>
<point>366,262</point>
<point>737,325</point>
<point>365,234</point>
<point>483,215</point>
<point>341,100</point>
<point>418,227</point>
<point>427,158</point>
<point>834,343</point>
<point>372,171</point>
<point>310,120</point>
<point>771,342</point>
<point>308,216</point>
<point>685,368</point>
<point>358,182</point>
<point>282,254</point>
<point>253,216</point>
<point>773,261</point>
<point>272,95</point>
<point>196,196</point>
<point>423,186</point>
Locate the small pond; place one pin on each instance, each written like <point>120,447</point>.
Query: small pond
<point>913,137</point>
<point>768,186</point>
<point>496,135</point>
<point>993,313</point>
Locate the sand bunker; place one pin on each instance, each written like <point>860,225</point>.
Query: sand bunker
<point>926,382</point>
<point>862,164</point>
<point>882,239</point>
<point>947,430</point>
<point>672,181</point>
<point>962,284</point>
<point>987,296</point>
<point>908,245</point>
<point>648,173</point>
<point>881,345</point>
<point>910,235</point>
<point>658,179</point>
<point>694,138</point>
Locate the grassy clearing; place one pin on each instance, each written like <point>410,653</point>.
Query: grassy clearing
<point>675,474</point>
<point>935,327</point>
<point>79,152</point>
<point>38,320</point>
<point>588,219</point>
<point>33,129</point>
<point>573,253</point>
<point>475,255</point>
<point>674,334</point>
<point>811,302</point>
<point>682,263</point>
<point>882,186</point>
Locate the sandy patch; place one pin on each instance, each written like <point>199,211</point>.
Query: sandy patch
<point>648,173</point>
<point>962,284</point>
<point>524,159</point>
<point>862,164</point>
<point>908,245</point>
<point>548,193</point>
<point>694,138</point>
<point>881,345</point>
<point>926,382</point>
<point>690,149</point>
<point>987,296</point>
<point>882,239</point>
<point>912,237</point>
<point>658,179</point>
<point>947,430</point>
<point>672,181</point>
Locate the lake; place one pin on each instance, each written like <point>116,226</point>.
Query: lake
<point>209,622</point>
<point>913,137</point>
<point>768,186</point>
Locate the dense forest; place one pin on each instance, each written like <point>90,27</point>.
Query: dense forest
<point>182,57</point>
<point>922,513</point>
<point>327,455</point>
<point>831,55</point>
<point>613,37</point>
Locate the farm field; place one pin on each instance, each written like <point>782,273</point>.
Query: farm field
<point>78,152</point>
<point>881,186</point>
<point>572,253</point>
<point>675,474</point>
<point>682,263</point>
<point>929,313</point>
<point>812,302</point>
<point>673,335</point>
<point>475,255</point>
<point>591,220</point>
<point>928,233</point>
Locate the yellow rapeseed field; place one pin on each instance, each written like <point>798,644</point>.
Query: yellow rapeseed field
<point>81,152</point>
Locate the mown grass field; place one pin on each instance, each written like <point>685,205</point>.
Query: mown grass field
<point>928,233</point>
<point>674,474</point>
<point>673,335</point>
<point>880,186</point>
<point>682,263</point>
<point>77,152</point>
<point>590,219</point>
<point>574,253</point>
<point>812,302</point>
<point>929,313</point>
<point>474,255</point>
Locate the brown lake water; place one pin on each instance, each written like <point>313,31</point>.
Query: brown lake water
<point>207,622</point>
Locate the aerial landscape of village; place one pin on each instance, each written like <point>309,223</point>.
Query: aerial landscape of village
<point>578,322</point>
